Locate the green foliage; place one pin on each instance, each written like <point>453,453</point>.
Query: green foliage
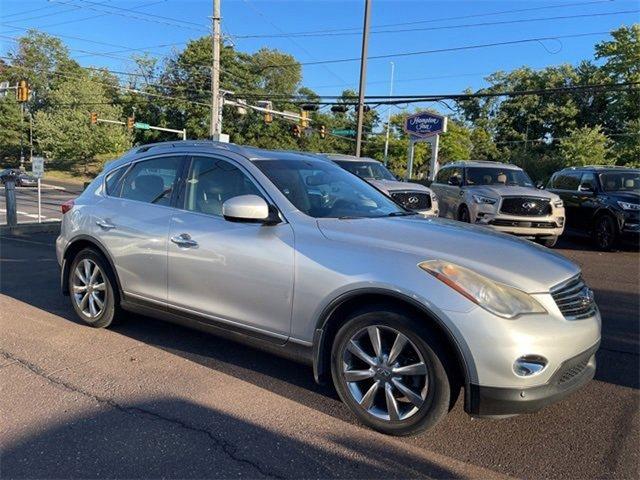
<point>12,128</point>
<point>585,146</point>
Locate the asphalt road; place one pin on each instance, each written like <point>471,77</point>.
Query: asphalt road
<point>53,194</point>
<point>148,399</point>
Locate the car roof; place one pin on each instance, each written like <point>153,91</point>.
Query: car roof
<point>481,163</point>
<point>601,168</point>
<point>341,157</point>
<point>208,146</point>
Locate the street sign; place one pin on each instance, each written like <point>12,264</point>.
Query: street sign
<point>37,166</point>
<point>344,133</point>
<point>425,124</point>
<point>141,126</point>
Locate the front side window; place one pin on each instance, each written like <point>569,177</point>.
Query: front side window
<point>567,181</point>
<point>367,170</point>
<point>626,181</point>
<point>497,176</point>
<point>324,190</point>
<point>443,175</point>
<point>588,180</point>
<point>151,181</point>
<point>211,182</point>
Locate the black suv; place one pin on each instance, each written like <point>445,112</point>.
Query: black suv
<point>601,201</point>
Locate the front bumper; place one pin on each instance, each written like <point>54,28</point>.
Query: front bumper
<point>571,376</point>
<point>531,227</point>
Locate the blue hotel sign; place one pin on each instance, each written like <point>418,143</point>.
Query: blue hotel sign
<point>425,124</point>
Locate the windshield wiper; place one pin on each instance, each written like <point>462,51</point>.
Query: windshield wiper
<point>401,214</point>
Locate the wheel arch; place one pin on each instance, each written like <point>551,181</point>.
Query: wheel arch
<point>605,211</point>
<point>337,312</point>
<point>78,244</point>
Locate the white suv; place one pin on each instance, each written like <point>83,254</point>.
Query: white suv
<point>501,196</point>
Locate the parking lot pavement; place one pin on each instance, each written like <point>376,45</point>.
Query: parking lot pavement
<point>149,399</point>
<point>52,196</point>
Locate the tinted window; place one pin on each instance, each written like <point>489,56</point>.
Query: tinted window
<point>621,181</point>
<point>112,182</point>
<point>151,180</point>
<point>373,170</point>
<point>211,182</point>
<point>588,180</point>
<point>567,181</point>
<point>497,176</point>
<point>443,175</point>
<point>323,189</point>
<point>457,172</point>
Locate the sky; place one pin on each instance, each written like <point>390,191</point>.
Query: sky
<point>160,26</point>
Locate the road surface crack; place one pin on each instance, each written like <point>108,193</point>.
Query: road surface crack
<point>228,448</point>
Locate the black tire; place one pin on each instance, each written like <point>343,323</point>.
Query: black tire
<point>605,233</point>
<point>442,389</point>
<point>110,309</point>
<point>548,242</point>
<point>464,215</point>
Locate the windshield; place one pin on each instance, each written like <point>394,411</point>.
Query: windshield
<point>497,176</point>
<point>626,181</point>
<point>373,170</point>
<point>323,190</point>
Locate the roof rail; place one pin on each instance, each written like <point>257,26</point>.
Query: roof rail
<point>612,167</point>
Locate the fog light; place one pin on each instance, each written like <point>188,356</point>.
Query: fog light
<point>529,365</point>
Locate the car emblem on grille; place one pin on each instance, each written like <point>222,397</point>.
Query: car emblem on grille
<point>413,199</point>
<point>585,297</point>
<point>529,205</point>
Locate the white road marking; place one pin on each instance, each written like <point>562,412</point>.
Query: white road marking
<point>30,215</point>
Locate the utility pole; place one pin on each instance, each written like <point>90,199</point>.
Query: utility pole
<point>363,75</point>
<point>214,131</point>
<point>386,142</point>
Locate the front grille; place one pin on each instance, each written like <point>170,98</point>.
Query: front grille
<point>526,206</point>
<point>574,299</point>
<point>499,222</point>
<point>413,200</point>
<point>573,371</point>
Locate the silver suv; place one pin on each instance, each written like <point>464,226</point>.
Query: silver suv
<point>293,254</point>
<point>501,196</point>
<point>412,196</point>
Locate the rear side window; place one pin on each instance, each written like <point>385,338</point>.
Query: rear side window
<point>151,181</point>
<point>113,181</point>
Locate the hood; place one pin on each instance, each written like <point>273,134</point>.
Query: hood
<point>395,186</point>
<point>503,258</point>
<point>498,191</point>
<point>630,197</point>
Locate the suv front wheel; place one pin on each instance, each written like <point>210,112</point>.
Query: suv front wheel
<point>391,372</point>
<point>605,232</point>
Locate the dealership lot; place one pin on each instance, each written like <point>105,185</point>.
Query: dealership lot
<point>149,399</point>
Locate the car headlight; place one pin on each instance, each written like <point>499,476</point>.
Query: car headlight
<point>629,206</point>
<point>497,298</point>
<point>484,200</point>
<point>558,203</point>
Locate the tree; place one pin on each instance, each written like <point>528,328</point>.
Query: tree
<point>585,146</point>
<point>11,130</point>
<point>63,130</point>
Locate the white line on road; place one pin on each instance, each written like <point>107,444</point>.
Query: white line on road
<point>30,215</point>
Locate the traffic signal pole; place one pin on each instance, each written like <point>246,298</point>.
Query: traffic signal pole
<point>363,75</point>
<point>144,126</point>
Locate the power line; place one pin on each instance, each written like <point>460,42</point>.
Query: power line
<point>459,17</point>
<point>442,50</point>
<point>443,27</point>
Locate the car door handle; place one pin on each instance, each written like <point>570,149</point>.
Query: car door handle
<point>105,225</point>
<point>184,240</point>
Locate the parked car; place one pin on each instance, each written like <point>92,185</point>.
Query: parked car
<point>600,201</point>
<point>412,196</point>
<point>22,179</point>
<point>400,312</point>
<point>500,196</point>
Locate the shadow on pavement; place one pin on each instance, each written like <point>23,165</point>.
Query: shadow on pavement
<point>584,243</point>
<point>174,438</point>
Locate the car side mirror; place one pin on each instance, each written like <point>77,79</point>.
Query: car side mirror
<point>585,189</point>
<point>540,185</point>
<point>250,209</point>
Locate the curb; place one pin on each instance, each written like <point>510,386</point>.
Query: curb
<point>27,228</point>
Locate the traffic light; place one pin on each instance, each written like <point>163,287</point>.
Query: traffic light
<point>304,118</point>
<point>296,131</point>
<point>366,108</point>
<point>339,108</point>
<point>23,91</point>
<point>94,118</point>
<point>323,131</point>
<point>130,122</point>
<point>268,116</point>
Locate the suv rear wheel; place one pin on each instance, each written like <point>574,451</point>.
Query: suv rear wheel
<point>391,372</point>
<point>605,232</point>
<point>91,289</point>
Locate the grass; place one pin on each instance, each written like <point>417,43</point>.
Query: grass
<point>67,176</point>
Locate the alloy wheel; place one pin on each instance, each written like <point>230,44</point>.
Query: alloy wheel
<point>385,373</point>
<point>89,288</point>
<point>604,233</point>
